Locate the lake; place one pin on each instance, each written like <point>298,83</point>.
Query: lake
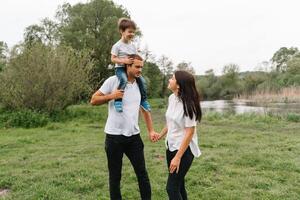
<point>243,106</point>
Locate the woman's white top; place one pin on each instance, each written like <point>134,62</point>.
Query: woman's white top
<point>176,123</point>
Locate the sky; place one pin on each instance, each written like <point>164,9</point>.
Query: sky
<point>207,33</point>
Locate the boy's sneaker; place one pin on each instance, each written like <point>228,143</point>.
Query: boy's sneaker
<point>118,106</point>
<point>146,106</point>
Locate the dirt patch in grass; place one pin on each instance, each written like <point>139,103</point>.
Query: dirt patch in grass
<point>3,192</point>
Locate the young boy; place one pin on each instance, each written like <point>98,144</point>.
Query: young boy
<point>120,55</point>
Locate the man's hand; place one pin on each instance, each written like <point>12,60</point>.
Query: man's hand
<point>117,94</point>
<point>153,136</point>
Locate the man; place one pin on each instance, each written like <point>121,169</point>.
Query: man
<point>122,130</point>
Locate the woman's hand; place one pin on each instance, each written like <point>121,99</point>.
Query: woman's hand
<point>153,136</point>
<point>175,163</point>
<point>163,132</point>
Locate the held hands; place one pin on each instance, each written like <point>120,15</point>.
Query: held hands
<point>153,136</point>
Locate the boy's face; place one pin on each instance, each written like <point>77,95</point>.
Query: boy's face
<point>128,34</point>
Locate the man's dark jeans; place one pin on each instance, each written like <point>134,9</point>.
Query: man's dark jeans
<point>133,148</point>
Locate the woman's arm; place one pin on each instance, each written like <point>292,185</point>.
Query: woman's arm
<point>163,132</point>
<point>175,163</point>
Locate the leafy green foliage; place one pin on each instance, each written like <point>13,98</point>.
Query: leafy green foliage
<point>45,78</point>
<point>92,26</point>
<point>3,51</point>
<point>23,118</point>
<point>282,56</point>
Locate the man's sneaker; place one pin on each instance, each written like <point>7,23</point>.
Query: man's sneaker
<point>146,106</point>
<point>118,106</point>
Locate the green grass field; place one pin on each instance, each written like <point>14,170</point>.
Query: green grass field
<point>243,157</point>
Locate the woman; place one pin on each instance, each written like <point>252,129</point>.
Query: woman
<point>182,143</point>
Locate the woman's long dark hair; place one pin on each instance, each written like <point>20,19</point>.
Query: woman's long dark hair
<point>188,94</point>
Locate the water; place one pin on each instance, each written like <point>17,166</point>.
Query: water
<point>240,106</point>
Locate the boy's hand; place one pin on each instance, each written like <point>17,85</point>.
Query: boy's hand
<point>128,61</point>
<point>117,94</point>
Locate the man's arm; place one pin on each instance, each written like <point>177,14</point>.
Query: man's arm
<point>153,136</point>
<point>99,98</point>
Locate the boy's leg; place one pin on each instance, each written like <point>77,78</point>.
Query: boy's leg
<point>143,90</point>
<point>121,74</point>
<point>135,152</point>
<point>114,153</point>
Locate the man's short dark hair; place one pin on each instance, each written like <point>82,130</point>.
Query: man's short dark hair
<point>125,23</point>
<point>134,56</point>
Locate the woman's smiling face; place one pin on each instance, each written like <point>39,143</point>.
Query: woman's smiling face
<point>173,84</point>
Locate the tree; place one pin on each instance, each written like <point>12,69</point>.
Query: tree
<point>88,26</point>
<point>230,80</point>
<point>44,78</point>
<point>210,74</point>
<point>92,26</point>
<point>3,54</point>
<point>231,69</point>
<point>252,80</point>
<point>293,66</point>
<point>293,71</point>
<point>46,32</point>
<point>147,55</point>
<point>166,68</point>
<point>154,76</point>
<point>209,85</point>
<point>282,56</point>
<point>151,73</point>
<point>186,67</point>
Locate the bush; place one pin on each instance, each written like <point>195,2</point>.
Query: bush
<point>25,119</point>
<point>45,78</point>
<point>293,117</point>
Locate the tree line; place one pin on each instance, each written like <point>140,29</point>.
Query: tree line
<point>61,61</point>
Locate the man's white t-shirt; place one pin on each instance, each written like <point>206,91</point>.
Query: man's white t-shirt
<point>176,123</point>
<point>126,122</point>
